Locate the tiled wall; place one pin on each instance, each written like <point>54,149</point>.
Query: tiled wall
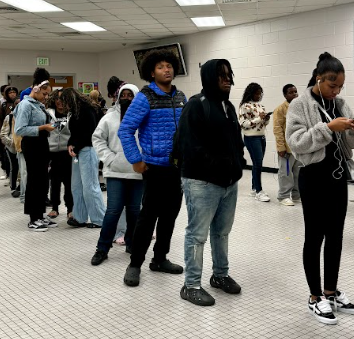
<point>272,53</point>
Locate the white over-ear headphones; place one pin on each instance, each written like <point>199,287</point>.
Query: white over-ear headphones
<point>37,88</point>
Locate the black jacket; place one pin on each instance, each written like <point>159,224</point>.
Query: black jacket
<point>82,127</point>
<point>210,143</point>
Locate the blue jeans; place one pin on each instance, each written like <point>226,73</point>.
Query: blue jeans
<point>85,187</point>
<point>120,193</point>
<point>256,146</point>
<point>122,226</point>
<point>208,206</point>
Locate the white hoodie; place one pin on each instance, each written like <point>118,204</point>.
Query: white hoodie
<point>108,146</point>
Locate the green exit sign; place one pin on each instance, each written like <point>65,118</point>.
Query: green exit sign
<point>42,61</point>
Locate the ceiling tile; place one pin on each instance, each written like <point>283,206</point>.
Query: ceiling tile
<point>99,12</point>
<point>116,4</point>
<point>156,3</point>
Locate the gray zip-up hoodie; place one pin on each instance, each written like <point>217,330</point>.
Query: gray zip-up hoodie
<point>59,137</point>
<point>307,135</point>
<point>108,146</point>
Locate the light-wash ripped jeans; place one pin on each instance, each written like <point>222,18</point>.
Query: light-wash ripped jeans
<point>85,187</point>
<point>208,206</point>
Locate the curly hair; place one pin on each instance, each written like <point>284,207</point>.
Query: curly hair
<point>40,75</point>
<point>52,97</point>
<point>250,90</point>
<point>152,58</point>
<point>74,101</point>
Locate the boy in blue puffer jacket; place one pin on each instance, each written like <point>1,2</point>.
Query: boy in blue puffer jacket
<point>155,112</point>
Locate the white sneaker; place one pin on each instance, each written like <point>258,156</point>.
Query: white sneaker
<point>322,311</point>
<point>253,193</point>
<point>287,202</point>
<point>37,226</point>
<point>3,177</point>
<point>48,223</point>
<point>340,302</point>
<point>296,200</point>
<point>262,196</point>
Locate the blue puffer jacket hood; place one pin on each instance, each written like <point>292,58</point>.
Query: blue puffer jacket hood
<point>155,114</point>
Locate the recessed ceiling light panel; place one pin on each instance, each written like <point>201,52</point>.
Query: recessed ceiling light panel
<point>212,21</point>
<point>34,6</point>
<point>195,2</point>
<point>83,26</point>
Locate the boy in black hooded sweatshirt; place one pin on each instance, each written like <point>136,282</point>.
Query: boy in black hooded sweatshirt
<point>211,148</point>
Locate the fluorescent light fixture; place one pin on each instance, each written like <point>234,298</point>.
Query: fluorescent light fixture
<point>211,21</point>
<point>83,26</point>
<point>34,6</point>
<point>195,2</point>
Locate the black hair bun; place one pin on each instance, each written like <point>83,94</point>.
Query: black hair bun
<point>325,56</point>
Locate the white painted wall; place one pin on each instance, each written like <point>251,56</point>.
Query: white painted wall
<point>272,53</point>
<point>83,65</point>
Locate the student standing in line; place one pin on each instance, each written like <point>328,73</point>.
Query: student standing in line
<point>60,165</point>
<point>318,125</point>
<point>211,153</point>
<point>124,185</point>
<point>32,123</point>
<point>289,167</point>
<point>254,120</point>
<point>155,112</point>
<point>85,187</point>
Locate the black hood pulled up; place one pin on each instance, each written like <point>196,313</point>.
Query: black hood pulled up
<point>210,79</point>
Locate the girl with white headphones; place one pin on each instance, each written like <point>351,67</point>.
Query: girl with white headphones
<point>32,123</point>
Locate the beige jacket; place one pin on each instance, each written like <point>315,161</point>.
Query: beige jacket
<point>279,123</point>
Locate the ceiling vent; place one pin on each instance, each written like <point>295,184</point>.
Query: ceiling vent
<point>226,2</point>
<point>9,9</point>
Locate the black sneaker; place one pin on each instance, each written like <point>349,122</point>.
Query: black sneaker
<point>49,223</point>
<point>103,187</point>
<point>128,249</point>
<point>98,258</point>
<point>15,193</point>
<point>322,311</point>
<point>132,276</point>
<point>227,284</point>
<point>37,226</point>
<point>197,296</point>
<point>73,222</point>
<point>166,267</point>
<point>340,302</point>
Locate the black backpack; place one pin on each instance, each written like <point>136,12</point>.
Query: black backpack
<point>175,156</point>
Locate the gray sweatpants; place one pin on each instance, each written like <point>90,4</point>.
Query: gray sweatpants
<point>288,176</point>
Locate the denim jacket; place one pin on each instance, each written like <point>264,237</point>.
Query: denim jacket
<point>29,114</point>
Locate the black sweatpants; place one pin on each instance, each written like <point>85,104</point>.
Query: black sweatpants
<point>161,202</point>
<point>60,172</point>
<point>13,173</point>
<point>324,202</point>
<point>36,153</point>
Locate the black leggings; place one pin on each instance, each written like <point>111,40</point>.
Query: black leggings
<point>36,153</point>
<point>324,202</point>
<point>13,174</point>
